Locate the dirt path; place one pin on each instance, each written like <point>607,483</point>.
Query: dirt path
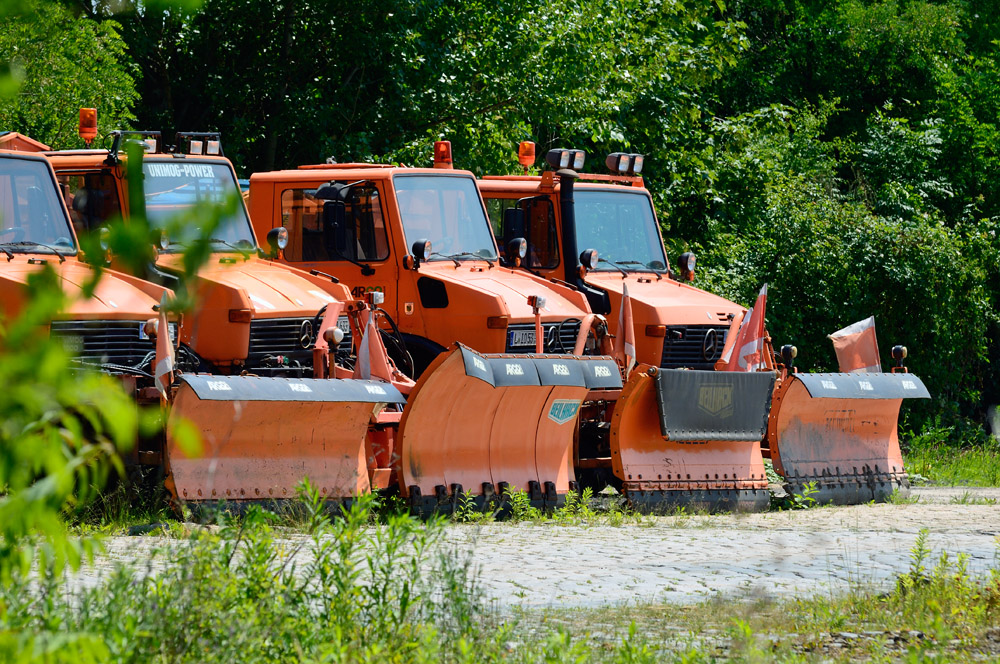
<point>687,558</point>
<point>684,559</point>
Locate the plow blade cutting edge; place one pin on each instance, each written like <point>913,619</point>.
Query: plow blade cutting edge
<point>692,439</point>
<point>840,431</point>
<point>479,424</point>
<point>262,436</point>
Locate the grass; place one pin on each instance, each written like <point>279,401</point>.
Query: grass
<point>363,587</point>
<point>929,456</point>
<point>578,509</point>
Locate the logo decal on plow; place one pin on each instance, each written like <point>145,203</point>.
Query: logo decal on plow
<point>563,410</point>
<point>716,400</point>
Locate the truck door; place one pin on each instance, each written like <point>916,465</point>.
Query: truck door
<point>346,237</point>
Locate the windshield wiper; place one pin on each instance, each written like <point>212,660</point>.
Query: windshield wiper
<point>10,254</point>
<point>615,265</point>
<point>454,257</point>
<point>242,250</point>
<point>446,256</point>
<point>31,243</point>
<point>645,267</point>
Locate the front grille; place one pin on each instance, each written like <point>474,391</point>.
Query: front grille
<point>690,347</point>
<point>104,341</point>
<point>290,337</point>
<point>566,333</point>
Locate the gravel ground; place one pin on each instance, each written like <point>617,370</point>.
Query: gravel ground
<point>685,559</point>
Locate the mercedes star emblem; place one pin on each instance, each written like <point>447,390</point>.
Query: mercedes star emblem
<point>710,345</point>
<point>306,334</point>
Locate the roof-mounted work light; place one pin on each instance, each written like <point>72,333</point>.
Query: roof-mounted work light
<point>561,158</point>
<point>199,143</point>
<point>625,163</point>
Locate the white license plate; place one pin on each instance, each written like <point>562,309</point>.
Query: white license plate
<point>172,327</point>
<point>344,324</point>
<point>522,338</point>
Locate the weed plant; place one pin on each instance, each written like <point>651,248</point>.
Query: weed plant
<point>514,506</point>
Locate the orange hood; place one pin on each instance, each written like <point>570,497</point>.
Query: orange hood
<point>116,297</point>
<point>664,302</point>
<point>512,287</point>
<point>273,290</point>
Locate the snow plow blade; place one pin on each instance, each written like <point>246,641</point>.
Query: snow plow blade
<point>839,431</point>
<point>692,439</point>
<point>262,436</point>
<point>480,425</point>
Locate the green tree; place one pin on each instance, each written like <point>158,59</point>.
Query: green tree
<point>301,80</point>
<point>60,62</point>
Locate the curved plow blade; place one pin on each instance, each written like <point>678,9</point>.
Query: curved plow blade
<point>839,431</point>
<point>692,439</point>
<point>478,425</point>
<point>262,436</point>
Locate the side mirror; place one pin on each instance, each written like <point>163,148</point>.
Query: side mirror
<point>331,191</point>
<point>334,227</point>
<point>421,249</point>
<point>80,201</point>
<point>515,251</point>
<point>513,224</point>
<point>277,239</point>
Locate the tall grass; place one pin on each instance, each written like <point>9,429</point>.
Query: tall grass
<point>356,588</point>
<point>930,456</point>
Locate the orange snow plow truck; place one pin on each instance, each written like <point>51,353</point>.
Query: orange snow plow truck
<point>320,397</point>
<point>836,430</point>
<point>422,237</point>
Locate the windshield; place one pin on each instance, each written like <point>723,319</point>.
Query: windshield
<point>176,186</point>
<point>621,226</point>
<point>31,210</point>
<point>448,211</point>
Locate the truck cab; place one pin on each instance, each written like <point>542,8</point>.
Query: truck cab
<point>252,313</point>
<point>676,325</point>
<point>105,330</point>
<point>420,236</point>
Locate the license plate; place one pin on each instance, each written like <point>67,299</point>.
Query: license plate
<point>72,343</point>
<point>522,338</point>
<point>172,327</point>
<point>344,324</point>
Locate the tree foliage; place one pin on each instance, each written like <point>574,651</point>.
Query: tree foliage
<point>58,62</point>
<point>845,151</point>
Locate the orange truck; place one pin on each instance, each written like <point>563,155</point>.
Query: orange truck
<point>106,331</point>
<point>600,234</point>
<point>419,236</point>
<point>253,313</point>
